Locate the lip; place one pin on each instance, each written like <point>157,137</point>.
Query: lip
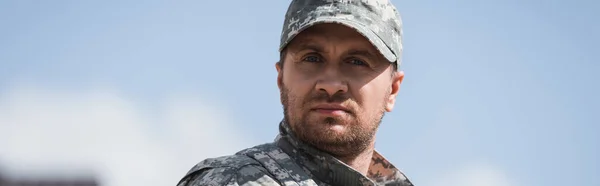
<point>332,109</point>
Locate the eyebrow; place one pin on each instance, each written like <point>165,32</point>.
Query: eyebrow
<point>359,52</point>
<point>308,45</point>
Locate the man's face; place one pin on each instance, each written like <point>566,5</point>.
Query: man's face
<point>335,87</point>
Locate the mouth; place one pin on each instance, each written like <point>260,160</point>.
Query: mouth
<point>331,109</point>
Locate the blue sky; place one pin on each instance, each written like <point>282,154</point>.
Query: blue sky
<point>494,90</point>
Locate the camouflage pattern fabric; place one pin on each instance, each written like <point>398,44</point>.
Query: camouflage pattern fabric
<point>288,161</point>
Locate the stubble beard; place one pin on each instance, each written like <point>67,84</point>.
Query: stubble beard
<point>357,137</point>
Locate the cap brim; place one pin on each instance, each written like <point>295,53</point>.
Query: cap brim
<point>366,32</point>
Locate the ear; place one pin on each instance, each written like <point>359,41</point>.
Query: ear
<point>279,79</point>
<point>279,75</point>
<point>395,88</point>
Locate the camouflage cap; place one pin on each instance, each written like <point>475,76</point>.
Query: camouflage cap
<point>377,20</point>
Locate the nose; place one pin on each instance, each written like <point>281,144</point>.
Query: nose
<point>331,82</point>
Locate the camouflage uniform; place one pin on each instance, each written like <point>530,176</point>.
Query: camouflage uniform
<point>288,161</point>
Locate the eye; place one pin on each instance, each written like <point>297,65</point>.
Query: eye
<point>312,58</point>
<point>359,62</point>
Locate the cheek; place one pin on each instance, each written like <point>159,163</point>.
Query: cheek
<point>370,98</point>
<point>297,92</point>
<point>298,86</point>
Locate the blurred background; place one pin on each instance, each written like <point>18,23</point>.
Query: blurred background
<point>122,93</point>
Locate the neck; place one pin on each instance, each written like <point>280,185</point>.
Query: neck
<point>360,161</point>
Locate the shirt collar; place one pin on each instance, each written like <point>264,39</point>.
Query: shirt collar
<point>326,168</point>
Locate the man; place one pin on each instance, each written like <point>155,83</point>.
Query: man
<point>337,76</point>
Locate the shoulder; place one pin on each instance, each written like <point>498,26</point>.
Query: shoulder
<point>237,169</point>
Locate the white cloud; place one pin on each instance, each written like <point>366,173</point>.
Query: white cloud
<point>43,129</point>
<point>49,130</point>
<point>474,174</point>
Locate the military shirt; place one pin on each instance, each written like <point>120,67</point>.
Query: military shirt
<point>288,161</point>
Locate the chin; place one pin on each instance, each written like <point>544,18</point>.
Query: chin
<point>330,126</point>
